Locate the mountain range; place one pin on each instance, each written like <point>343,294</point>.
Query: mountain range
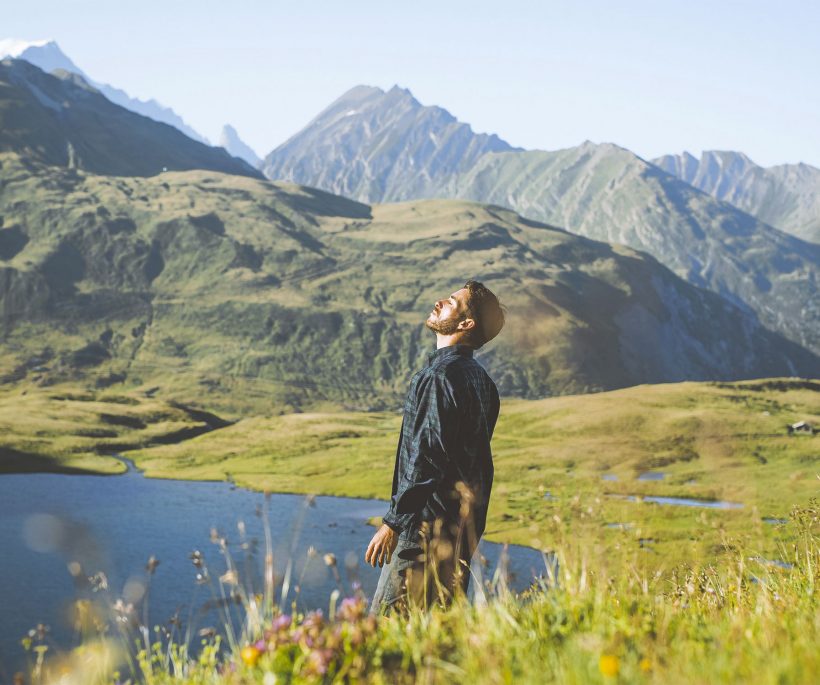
<point>377,146</point>
<point>47,55</point>
<point>59,119</point>
<point>786,196</point>
<point>212,281</point>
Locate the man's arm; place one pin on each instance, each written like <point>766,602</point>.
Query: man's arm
<point>434,426</point>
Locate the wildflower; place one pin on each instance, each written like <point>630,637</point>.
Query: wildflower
<point>250,655</point>
<point>229,578</point>
<point>314,619</point>
<point>124,611</point>
<point>152,564</point>
<point>608,665</point>
<point>281,622</point>
<point>98,582</point>
<point>330,559</point>
<point>196,558</point>
<point>319,661</point>
<point>645,665</point>
<point>351,609</point>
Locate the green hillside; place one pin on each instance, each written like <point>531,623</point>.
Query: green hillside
<point>235,293</point>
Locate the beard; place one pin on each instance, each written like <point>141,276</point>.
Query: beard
<point>442,326</point>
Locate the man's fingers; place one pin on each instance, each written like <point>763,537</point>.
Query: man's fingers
<point>368,554</point>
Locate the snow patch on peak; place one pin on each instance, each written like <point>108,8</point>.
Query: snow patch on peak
<point>14,47</point>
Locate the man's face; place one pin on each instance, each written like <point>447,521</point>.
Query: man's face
<point>448,313</point>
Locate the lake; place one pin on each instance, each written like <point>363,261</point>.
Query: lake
<point>58,530</point>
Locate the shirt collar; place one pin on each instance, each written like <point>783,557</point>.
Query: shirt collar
<point>452,351</point>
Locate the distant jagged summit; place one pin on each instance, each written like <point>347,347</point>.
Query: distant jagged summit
<point>375,144</point>
<point>786,196</point>
<point>47,55</point>
<point>60,120</point>
<point>230,140</point>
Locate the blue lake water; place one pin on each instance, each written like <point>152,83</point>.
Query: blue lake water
<point>652,475</point>
<point>57,530</point>
<point>681,501</point>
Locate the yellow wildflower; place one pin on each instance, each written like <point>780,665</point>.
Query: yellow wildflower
<point>609,665</point>
<point>250,655</point>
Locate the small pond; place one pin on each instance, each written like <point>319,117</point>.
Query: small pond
<point>57,530</point>
<point>682,501</point>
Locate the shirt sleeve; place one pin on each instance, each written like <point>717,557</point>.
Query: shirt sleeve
<point>434,428</point>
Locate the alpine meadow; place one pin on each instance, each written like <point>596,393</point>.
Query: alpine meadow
<point>241,328</point>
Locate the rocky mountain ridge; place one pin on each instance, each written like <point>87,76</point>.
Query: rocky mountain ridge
<point>230,140</point>
<point>59,119</point>
<point>381,145</point>
<point>786,196</point>
<point>48,56</point>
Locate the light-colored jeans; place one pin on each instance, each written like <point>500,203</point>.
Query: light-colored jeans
<point>410,579</point>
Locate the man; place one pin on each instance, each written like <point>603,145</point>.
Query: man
<point>444,468</point>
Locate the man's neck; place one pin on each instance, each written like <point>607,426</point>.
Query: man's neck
<point>448,340</point>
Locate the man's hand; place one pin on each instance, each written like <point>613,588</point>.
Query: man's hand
<point>381,547</point>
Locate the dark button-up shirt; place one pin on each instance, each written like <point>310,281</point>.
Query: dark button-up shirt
<point>449,416</point>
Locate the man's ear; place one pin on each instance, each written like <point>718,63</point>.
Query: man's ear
<point>466,324</point>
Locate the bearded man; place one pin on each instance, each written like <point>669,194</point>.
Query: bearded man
<point>444,466</point>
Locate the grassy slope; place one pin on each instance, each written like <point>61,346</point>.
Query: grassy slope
<point>239,294</point>
<point>67,430</point>
<point>713,441</point>
<point>623,611</point>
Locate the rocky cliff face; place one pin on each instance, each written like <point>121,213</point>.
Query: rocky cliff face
<point>786,196</point>
<point>379,146</point>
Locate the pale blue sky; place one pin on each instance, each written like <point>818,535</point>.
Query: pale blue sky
<point>654,77</point>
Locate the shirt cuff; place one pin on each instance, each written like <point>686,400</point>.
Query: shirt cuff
<point>390,523</point>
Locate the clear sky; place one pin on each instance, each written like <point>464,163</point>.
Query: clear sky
<point>653,76</point>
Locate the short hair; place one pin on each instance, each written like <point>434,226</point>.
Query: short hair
<point>487,312</point>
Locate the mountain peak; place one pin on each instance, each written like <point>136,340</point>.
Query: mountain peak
<point>58,119</point>
<point>13,47</point>
<point>393,147</point>
<point>733,177</point>
<point>230,140</point>
<point>47,55</point>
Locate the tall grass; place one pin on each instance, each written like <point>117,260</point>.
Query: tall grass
<point>741,619</point>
